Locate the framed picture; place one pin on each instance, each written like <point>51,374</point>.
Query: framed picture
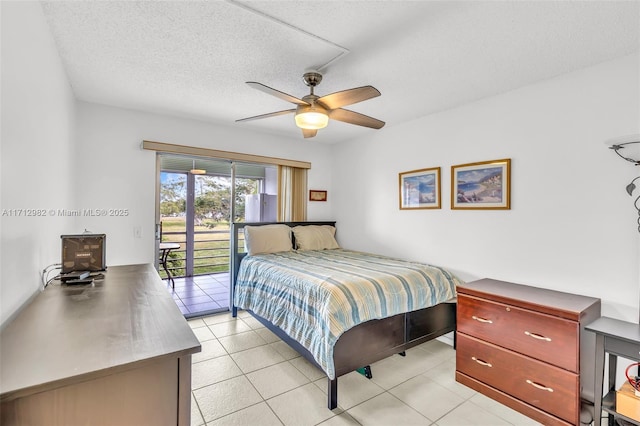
<point>315,195</point>
<point>420,189</point>
<point>484,185</point>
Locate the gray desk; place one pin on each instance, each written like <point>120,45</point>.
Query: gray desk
<point>117,352</point>
<point>615,338</point>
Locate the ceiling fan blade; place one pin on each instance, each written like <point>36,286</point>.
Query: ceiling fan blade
<point>355,118</point>
<point>309,133</point>
<point>271,114</point>
<point>349,97</point>
<point>276,93</point>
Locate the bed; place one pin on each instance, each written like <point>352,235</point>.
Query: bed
<point>311,293</point>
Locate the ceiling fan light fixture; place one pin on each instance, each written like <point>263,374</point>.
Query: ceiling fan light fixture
<point>311,117</point>
<point>312,112</point>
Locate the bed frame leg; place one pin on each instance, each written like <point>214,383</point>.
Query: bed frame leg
<point>403,353</point>
<point>234,311</point>
<point>367,372</point>
<point>332,393</point>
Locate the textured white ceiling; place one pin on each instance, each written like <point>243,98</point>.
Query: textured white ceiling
<point>191,58</point>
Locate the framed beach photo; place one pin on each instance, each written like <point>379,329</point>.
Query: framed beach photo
<point>484,185</point>
<point>420,189</point>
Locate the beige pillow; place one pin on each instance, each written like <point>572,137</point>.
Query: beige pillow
<point>315,237</point>
<point>267,239</point>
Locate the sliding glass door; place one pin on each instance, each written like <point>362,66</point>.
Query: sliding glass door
<point>196,208</point>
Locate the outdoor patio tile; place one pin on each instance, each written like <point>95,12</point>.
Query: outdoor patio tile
<point>201,293</point>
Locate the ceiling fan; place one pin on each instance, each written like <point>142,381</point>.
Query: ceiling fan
<point>313,112</point>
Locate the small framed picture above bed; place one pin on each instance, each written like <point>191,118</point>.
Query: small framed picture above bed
<point>483,185</point>
<point>316,195</point>
<point>420,189</point>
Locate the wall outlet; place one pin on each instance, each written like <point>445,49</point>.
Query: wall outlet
<point>137,231</point>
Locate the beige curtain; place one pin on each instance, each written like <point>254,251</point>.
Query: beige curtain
<point>292,194</point>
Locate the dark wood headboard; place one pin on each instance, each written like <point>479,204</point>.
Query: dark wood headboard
<point>237,255</point>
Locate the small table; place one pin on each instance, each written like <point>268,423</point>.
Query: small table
<point>616,338</point>
<point>165,249</point>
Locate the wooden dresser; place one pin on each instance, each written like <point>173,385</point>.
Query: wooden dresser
<point>116,352</point>
<point>525,347</point>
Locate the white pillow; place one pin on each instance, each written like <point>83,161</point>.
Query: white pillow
<point>267,239</point>
<point>315,237</point>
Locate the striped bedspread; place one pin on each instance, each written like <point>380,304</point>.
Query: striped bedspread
<point>315,296</point>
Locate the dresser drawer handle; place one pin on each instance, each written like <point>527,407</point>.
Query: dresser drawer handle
<point>479,319</point>
<point>538,336</point>
<point>481,362</point>
<point>535,385</point>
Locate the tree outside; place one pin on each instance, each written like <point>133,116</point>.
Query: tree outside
<point>212,209</point>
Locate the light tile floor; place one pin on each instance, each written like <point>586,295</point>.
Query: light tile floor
<point>200,294</point>
<point>245,375</point>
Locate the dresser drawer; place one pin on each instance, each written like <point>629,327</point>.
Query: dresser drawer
<point>549,388</point>
<point>544,337</point>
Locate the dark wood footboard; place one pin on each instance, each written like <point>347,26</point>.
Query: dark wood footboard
<point>378,339</point>
<point>375,340</point>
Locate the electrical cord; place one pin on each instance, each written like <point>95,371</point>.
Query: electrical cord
<point>44,276</point>
<point>634,381</point>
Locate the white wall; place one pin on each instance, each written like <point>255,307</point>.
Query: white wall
<point>57,154</point>
<point>113,172</point>
<point>37,153</point>
<point>571,227</point>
